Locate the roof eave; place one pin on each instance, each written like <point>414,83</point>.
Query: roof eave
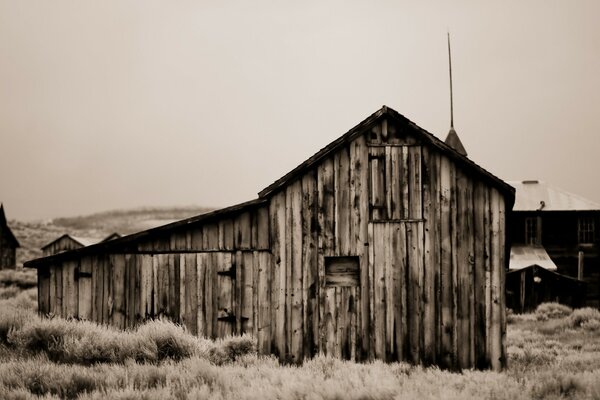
<point>121,243</point>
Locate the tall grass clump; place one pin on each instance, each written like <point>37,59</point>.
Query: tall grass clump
<point>21,278</point>
<point>552,310</point>
<point>12,318</point>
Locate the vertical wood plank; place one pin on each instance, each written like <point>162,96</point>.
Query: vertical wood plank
<point>447,297</point>
<point>82,299</point>
<point>414,233</point>
<point>414,183</point>
<point>201,314</point>
<point>264,303</point>
<point>462,233</point>
<point>262,227</point>
<point>278,282</point>
<point>479,269</point>
<point>379,267</point>
<point>225,295</point>
<point>71,289</point>
<point>429,182</point>
<point>97,289</point>
<point>360,185</point>
<point>496,289</point>
<point>326,244</point>
<point>44,277</point>
<point>309,264</point>
<point>243,231</point>
<point>118,286</point>
<point>342,201</point>
<point>190,305</point>
<point>247,285</point>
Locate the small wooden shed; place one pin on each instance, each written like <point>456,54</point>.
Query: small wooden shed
<point>8,243</point>
<point>385,244</point>
<point>68,242</point>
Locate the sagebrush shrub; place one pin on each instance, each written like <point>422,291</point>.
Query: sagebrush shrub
<point>171,340</point>
<point>552,310</point>
<point>583,316</point>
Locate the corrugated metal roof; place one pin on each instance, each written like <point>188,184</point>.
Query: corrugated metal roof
<point>526,256</point>
<point>539,196</point>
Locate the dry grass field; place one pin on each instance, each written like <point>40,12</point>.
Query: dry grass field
<point>553,354</point>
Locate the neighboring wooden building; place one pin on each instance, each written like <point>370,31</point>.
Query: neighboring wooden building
<point>564,225</point>
<point>8,244</point>
<point>385,244</point>
<point>69,242</point>
<point>528,287</point>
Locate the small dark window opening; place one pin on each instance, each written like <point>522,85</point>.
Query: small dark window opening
<point>532,231</point>
<point>586,230</point>
<point>342,271</point>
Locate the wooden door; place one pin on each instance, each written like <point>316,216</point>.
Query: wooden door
<point>339,318</point>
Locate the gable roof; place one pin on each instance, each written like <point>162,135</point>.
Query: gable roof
<point>6,229</point>
<point>386,112</point>
<point>533,195</point>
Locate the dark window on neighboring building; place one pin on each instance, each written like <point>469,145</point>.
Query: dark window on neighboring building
<point>342,271</point>
<point>586,230</point>
<point>532,231</point>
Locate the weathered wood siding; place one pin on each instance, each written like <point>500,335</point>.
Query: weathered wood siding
<point>386,249</point>
<point>430,242</point>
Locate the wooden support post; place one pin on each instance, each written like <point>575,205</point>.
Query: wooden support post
<point>580,265</point>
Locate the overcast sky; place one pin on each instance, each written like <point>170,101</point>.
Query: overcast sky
<point>118,104</point>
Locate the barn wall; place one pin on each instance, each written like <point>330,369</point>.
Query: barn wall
<point>201,276</point>
<point>430,244</point>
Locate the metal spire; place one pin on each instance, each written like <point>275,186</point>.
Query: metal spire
<point>452,139</point>
<point>450,69</point>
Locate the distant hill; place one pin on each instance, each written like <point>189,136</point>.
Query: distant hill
<point>33,235</point>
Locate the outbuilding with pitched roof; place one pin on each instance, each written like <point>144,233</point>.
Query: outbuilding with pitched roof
<point>385,244</point>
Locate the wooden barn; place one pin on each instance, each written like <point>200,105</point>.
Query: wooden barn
<point>8,244</point>
<point>385,244</point>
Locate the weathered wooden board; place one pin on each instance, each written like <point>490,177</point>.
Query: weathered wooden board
<point>84,273</point>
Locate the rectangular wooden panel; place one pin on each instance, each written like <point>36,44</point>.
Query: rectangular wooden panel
<point>342,271</point>
<point>377,184</point>
<point>342,202</point>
